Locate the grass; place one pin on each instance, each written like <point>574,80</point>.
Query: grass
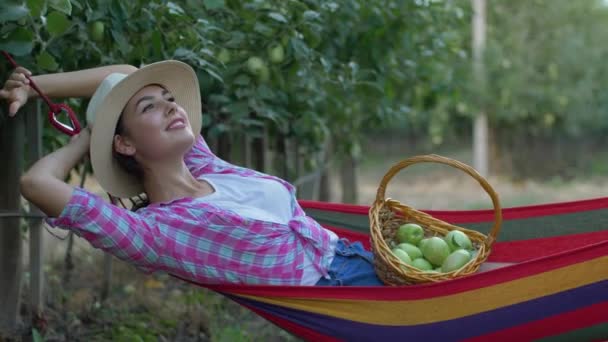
<point>142,308</point>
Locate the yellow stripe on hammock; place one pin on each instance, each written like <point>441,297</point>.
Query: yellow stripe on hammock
<point>421,311</point>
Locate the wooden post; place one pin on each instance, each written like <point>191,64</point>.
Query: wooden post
<point>11,150</point>
<point>34,152</point>
<point>480,126</point>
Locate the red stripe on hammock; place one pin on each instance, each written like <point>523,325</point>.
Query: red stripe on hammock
<point>573,320</point>
<point>423,291</point>
<point>512,251</point>
<point>476,216</point>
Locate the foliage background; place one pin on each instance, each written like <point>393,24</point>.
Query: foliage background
<point>353,72</point>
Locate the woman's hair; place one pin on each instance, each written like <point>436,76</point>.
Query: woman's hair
<point>129,164</point>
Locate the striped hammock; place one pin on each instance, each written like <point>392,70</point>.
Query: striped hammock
<point>546,279</point>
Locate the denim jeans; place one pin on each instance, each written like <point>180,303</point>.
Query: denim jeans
<point>352,265</point>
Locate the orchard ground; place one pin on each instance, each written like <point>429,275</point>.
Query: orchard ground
<point>157,307</point>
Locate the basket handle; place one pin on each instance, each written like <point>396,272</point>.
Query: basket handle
<point>433,158</point>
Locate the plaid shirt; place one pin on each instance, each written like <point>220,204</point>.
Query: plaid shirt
<point>199,241</point>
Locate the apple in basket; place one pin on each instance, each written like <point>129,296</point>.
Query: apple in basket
<point>435,250</point>
<point>410,233</point>
<point>458,240</point>
<point>411,250</point>
<point>456,260</point>
<point>422,264</point>
<point>402,255</point>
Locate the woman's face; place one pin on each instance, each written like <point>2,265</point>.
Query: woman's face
<point>156,127</point>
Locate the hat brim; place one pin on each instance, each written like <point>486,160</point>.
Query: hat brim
<point>179,79</point>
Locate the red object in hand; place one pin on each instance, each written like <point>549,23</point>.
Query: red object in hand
<point>70,129</point>
<point>73,127</point>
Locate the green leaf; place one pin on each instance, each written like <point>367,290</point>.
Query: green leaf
<point>46,61</point>
<point>311,15</point>
<point>19,42</point>
<point>219,99</point>
<point>238,109</point>
<point>12,12</point>
<point>214,74</point>
<point>300,48</point>
<point>278,17</point>
<point>262,29</point>
<point>57,23</point>
<point>64,6</point>
<point>214,4</point>
<point>175,8</point>
<point>37,7</point>
<point>243,80</point>
<point>122,42</point>
<point>266,93</point>
<point>157,43</point>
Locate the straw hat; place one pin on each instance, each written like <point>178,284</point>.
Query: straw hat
<point>108,102</point>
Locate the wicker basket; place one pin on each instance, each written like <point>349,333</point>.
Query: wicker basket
<point>387,215</point>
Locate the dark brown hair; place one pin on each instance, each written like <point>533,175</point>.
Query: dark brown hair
<point>129,164</point>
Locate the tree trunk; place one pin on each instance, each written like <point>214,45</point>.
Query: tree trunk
<point>11,150</point>
<point>258,155</point>
<point>280,157</point>
<point>223,147</point>
<point>325,182</point>
<point>348,178</point>
<point>480,128</point>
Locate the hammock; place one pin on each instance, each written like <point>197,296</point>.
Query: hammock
<point>548,278</point>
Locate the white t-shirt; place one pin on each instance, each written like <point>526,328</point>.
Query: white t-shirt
<point>260,199</point>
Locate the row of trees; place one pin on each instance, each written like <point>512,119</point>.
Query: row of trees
<point>320,70</point>
<point>307,69</point>
<point>313,69</point>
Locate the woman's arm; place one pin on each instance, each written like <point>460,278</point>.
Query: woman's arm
<point>43,184</point>
<point>82,83</point>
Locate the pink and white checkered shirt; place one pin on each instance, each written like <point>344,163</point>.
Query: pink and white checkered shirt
<point>198,241</point>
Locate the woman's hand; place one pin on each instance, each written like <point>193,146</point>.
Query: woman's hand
<point>16,90</point>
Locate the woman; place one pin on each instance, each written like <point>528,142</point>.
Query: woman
<point>208,221</point>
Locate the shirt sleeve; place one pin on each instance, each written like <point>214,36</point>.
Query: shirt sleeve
<point>118,231</point>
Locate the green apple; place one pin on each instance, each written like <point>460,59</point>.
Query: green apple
<point>255,65</point>
<point>224,56</point>
<point>422,264</point>
<point>402,255</point>
<point>410,233</point>
<point>96,31</point>
<point>276,54</point>
<point>458,240</point>
<point>413,251</point>
<point>422,243</point>
<point>456,260</point>
<point>435,250</point>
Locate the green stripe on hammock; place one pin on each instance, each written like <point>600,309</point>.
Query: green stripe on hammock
<point>516,229</point>
<point>598,332</point>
